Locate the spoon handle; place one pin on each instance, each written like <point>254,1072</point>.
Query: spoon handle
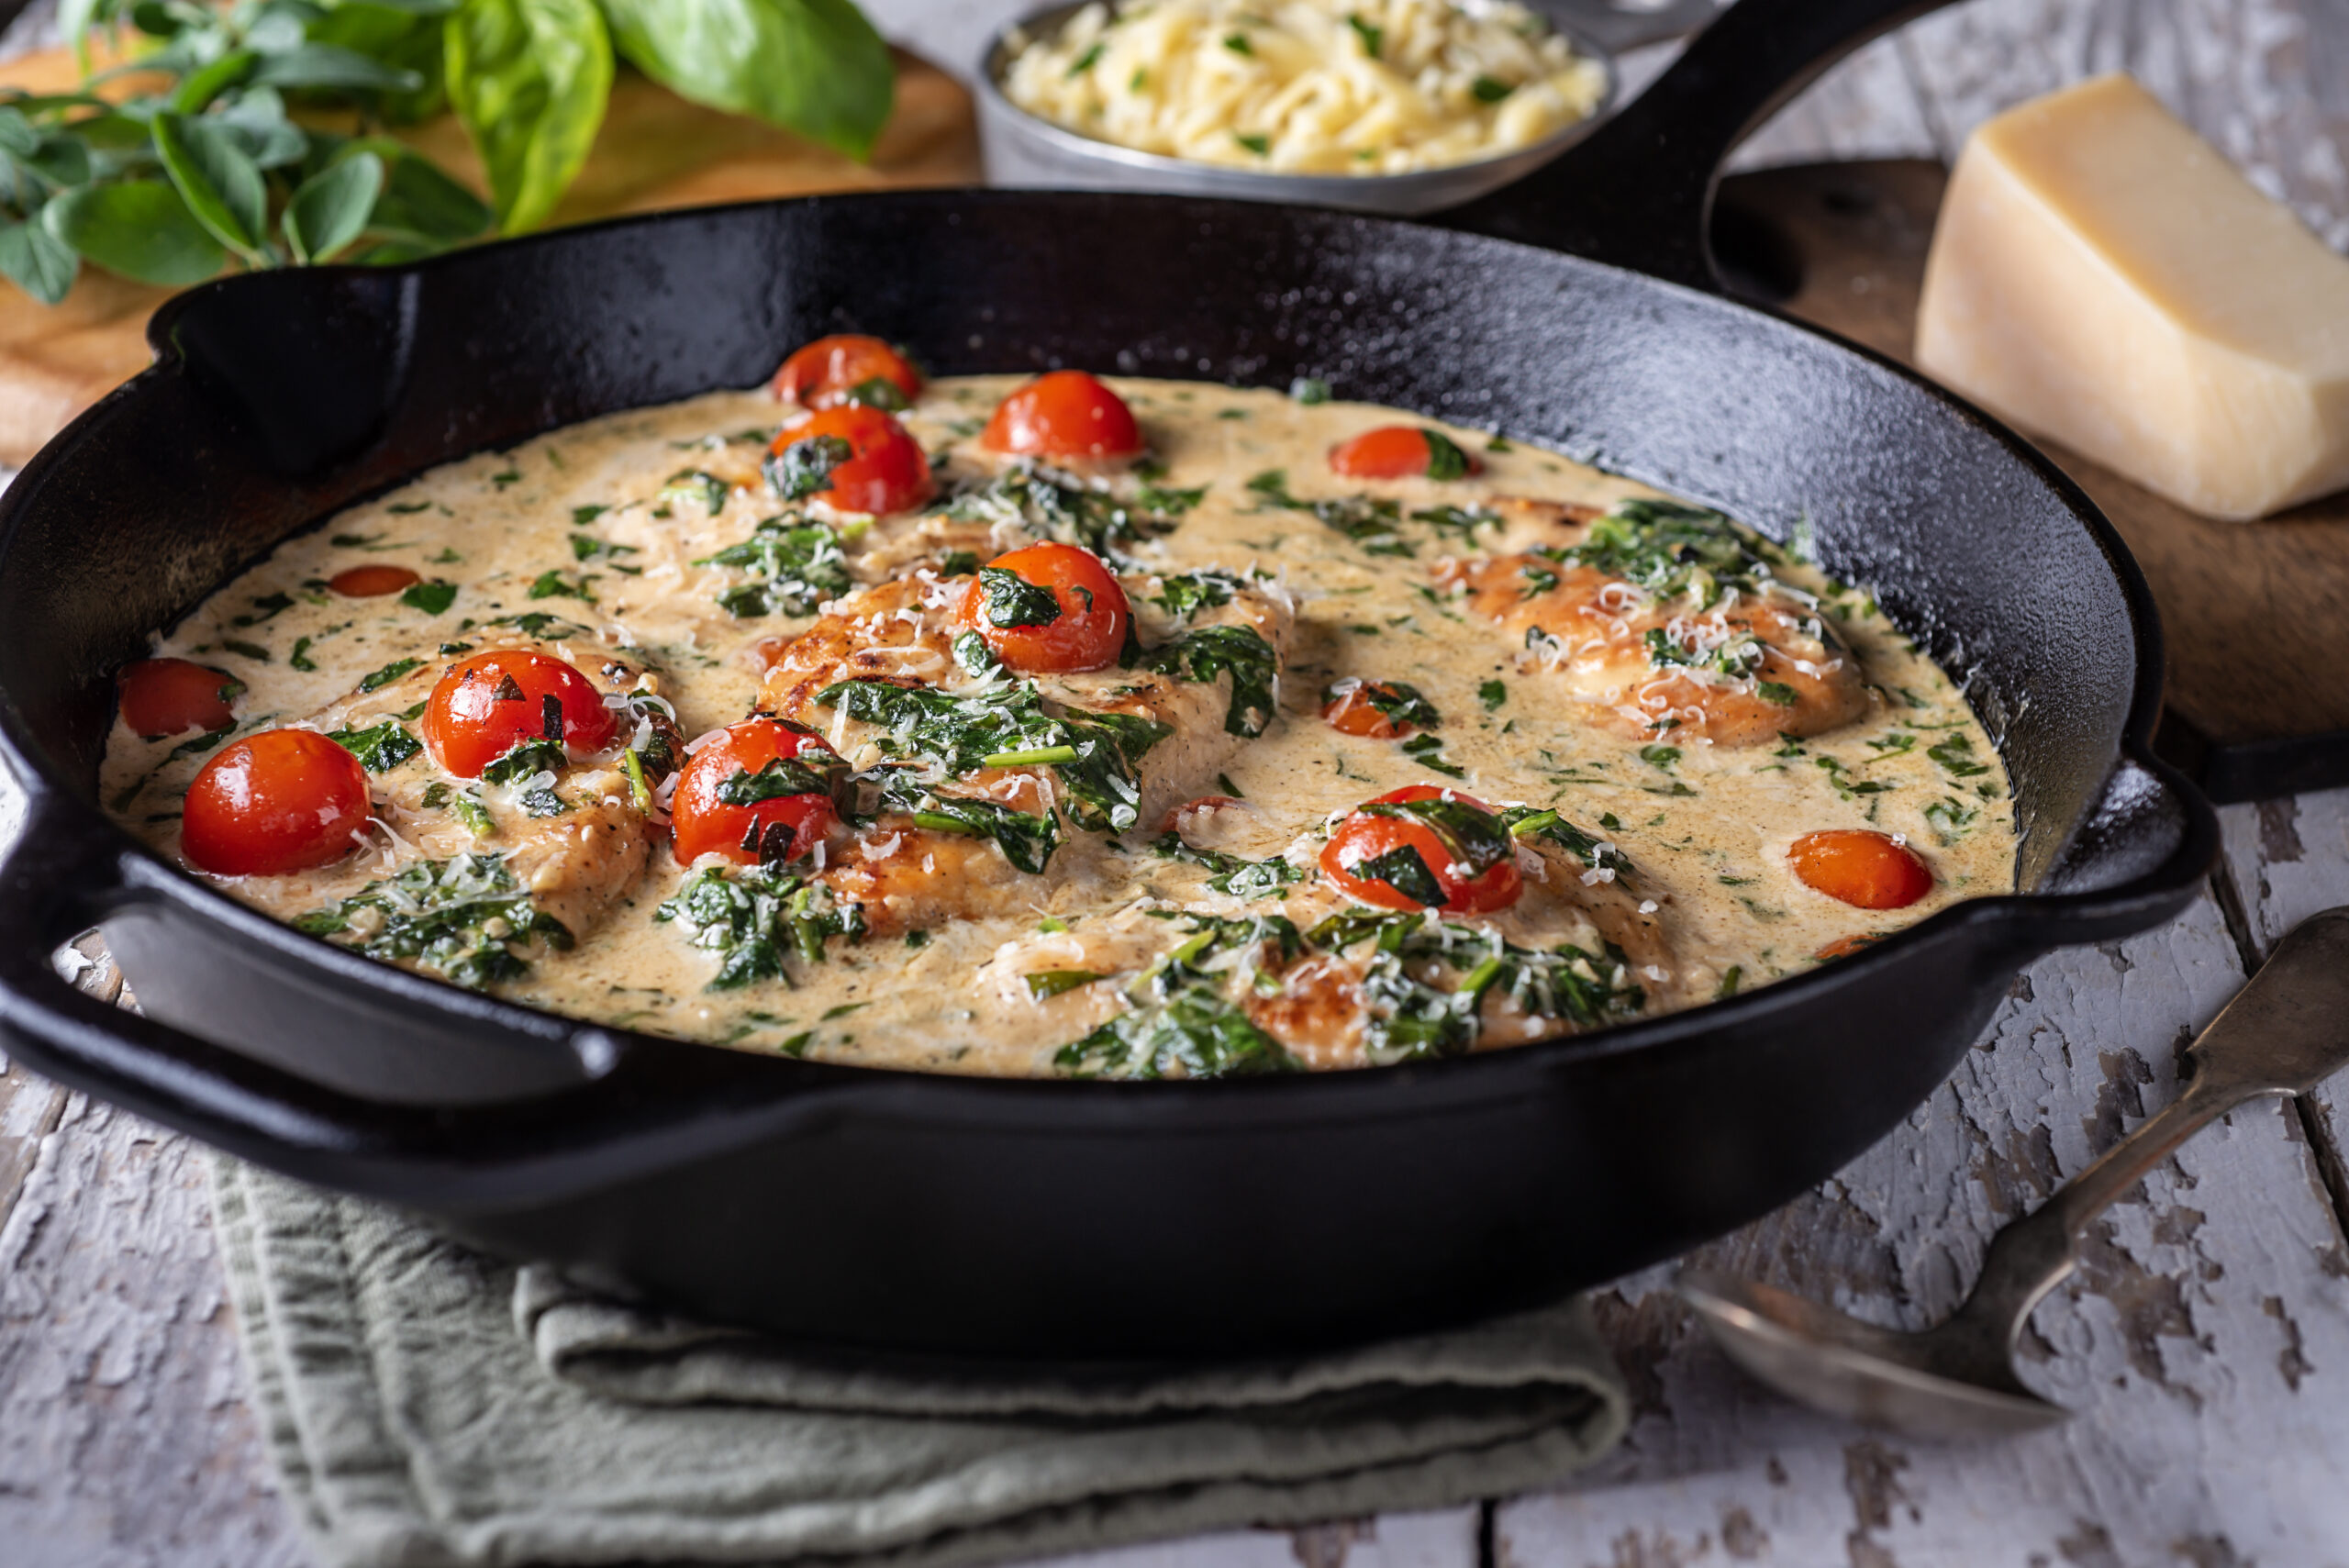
<point>2283,1033</point>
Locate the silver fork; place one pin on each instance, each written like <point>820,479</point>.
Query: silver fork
<point>2284,1033</point>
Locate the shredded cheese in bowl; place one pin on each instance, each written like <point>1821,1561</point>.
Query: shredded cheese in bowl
<point>1308,86</point>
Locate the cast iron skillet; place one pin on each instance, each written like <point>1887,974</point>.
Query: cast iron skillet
<point>977,1218</point>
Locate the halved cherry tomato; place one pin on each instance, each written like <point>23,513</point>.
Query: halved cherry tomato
<point>1078,621</point>
<point>1063,414</point>
<point>371,582</point>
<point>843,369</point>
<point>1402,452</point>
<point>164,696</point>
<point>284,800</point>
<point>1377,710</point>
<point>1864,869</point>
<point>489,704</point>
<point>1424,848</point>
<point>885,472</point>
<point>778,828</point>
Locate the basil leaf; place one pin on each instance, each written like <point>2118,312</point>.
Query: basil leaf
<point>1010,600</point>
<point>379,748</point>
<point>1238,650</point>
<point>784,777</point>
<point>433,598</point>
<point>139,228</point>
<point>330,209</point>
<point>196,91</point>
<point>1445,460</point>
<point>535,755</point>
<point>804,467</point>
<point>529,80</point>
<point>812,66</point>
<point>35,261</point>
<point>1401,868</point>
<point>220,183</point>
<point>258,121</point>
<point>421,204</point>
<point>326,65</point>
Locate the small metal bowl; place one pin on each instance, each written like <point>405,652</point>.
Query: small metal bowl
<point>1024,150</point>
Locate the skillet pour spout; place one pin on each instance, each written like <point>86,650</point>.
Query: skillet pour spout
<point>888,1211</point>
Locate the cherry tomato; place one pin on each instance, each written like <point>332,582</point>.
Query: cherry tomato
<point>1063,414</point>
<point>1081,627</point>
<point>1402,452</point>
<point>491,703</point>
<point>782,828</point>
<point>1867,870</point>
<point>371,582</point>
<point>885,471</point>
<point>284,800</point>
<point>842,369</point>
<point>1451,853</point>
<point>164,696</point>
<point>1375,710</point>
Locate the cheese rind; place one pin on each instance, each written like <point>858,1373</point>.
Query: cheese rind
<point>2100,276</point>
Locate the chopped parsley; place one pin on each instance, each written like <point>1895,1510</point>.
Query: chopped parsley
<point>1492,694</point>
<point>388,674</point>
<point>1372,522</point>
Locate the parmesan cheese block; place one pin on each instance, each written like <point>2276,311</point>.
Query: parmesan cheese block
<point>2102,276</point>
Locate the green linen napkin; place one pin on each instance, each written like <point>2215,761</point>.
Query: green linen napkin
<point>429,1405</point>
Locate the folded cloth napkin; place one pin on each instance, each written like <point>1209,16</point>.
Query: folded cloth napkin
<point>426,1404</point>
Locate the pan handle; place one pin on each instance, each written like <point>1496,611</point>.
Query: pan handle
<point>1638,191</point>
<point>2138,859</point>
<point>61,875</point>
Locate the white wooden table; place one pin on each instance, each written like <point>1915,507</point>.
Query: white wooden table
<point>2205,1342</point>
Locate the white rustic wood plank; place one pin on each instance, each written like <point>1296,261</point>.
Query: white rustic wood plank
<point>127,1442</point>
<point>2287,860</point>
<point>2206,1345</point>
<point>1865,107</point>
<point>2266,80</point>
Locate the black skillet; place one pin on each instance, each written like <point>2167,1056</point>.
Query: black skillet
<point>980,1217</point>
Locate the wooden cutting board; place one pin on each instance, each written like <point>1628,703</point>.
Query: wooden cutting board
<point>655,150</point>
<point>2255,615</point>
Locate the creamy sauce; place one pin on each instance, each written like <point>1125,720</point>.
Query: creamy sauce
<point>585,525</point>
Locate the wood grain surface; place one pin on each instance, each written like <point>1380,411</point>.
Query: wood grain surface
<point>654,150</point>
<point>2205,1345</point>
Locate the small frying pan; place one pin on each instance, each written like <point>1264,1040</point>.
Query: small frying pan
<point>893,1211</point>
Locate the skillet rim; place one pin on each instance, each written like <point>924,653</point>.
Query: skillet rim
<point>140,873</point>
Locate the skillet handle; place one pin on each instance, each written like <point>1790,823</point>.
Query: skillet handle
<point>61,875</point>
<point>2138,859</point>
<point>1638,191</point>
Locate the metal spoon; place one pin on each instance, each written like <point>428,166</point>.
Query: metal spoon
<point>2284,1033</point>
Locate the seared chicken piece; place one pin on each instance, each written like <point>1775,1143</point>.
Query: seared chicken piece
<point>574,839</point>
<point>911,870</point>
<point>1703,645</point>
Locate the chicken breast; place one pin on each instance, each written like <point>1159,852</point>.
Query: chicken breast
<point>1662,620</point>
